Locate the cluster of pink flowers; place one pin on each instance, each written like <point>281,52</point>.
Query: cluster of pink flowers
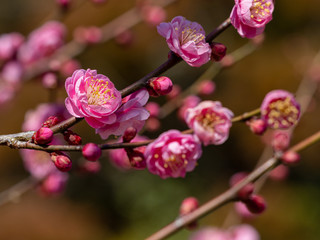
<point>94,97</point>
<point>250,17</point>
<point>239,232</point>
<point>173,154</point>
<point>210,121</point>
<point>186,39</point>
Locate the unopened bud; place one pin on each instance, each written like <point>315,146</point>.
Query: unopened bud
<point>49,80</point>
<point>280,140</point>
<point>159,86</point>
<point>279,173</point>
<point>129,134</point>
<point>257,125</point>
<point>153,15</point>
<point>188,205</point>
<point>206,87</point>
<point>91,152</point>
<point>227,61</point>
<point>64,3</point>
<point>256,204</point>
<point>136,159</point>
<point>72,138</point>
<point>43,136</point>
<point>176,89</point>
<point>61,161</point>
<point>218,51</point>
<point>152,124</point>
<point>290,157</point>
<point>245,192</point>
<point>90,167</point>
<point>51,121</point>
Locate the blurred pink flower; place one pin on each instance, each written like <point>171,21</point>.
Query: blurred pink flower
<point>92,96</point>
<point>130,114</point>
<point>242,210</point>
<point>9,44</point>
<point>153,15</point>
<point>187,39</point>
<point>173,154</point>
<point>210,233</point>
<point>54,183</point>
<point>42,42</point>
<point>189,102</point>
<point>244,232</point>
<point>250,17</point>
<point>12,73</point>
<point>210,121</point>
<point>280,109</point>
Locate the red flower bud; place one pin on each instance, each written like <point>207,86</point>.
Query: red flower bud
<point>91,152</point>
<point>43,136</point>
<point>257,126</point>
<point>218,51</point>
<point>159,86</point>
<point>256,204</point>
<point>280,140</point>
<point>51,121</point>
<point>129,134</point>
<point>136,159</point>
<point>61,161</point>
<point>72,138</point>
<point>188,205</point>
<point>290,157</point>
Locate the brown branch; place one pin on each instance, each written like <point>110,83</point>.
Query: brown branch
<point>230,194</point>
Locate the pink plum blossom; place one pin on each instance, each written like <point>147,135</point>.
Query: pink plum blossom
<point>42,42</point>
<point>210,233</point>
<point>92,96</point>
<point>250,17</point>
<point>244,232</point>
<point>189,102</point>
<point>12,73</point>
<point>9,44</point>
<point>173,154</point>
<point>186,39</point>
<point>130,114</point>
<point>210,121</point>
<point>280,109</point>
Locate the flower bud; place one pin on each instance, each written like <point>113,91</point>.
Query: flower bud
<point>51,121</point>
<point>124,37</point>
<point>68,67</point>
<point>280,140</point>
<point>152,124</point>
<point>227,61</point>
<point>129,134</point>
<point>64,3</point>
<point>257,125</point>
<point>153,15</point>
<point>218,51</point>
<point>90,167</point>
<point>245,192</point>
<point>256,204</point>
<point>91,152</point>
<point>61,161</point>
<point>206,87</point>
<point>43,136</point>
<point>54,183</point>
<point>136,159</point>
<point>72,138</point>
<point>188,205</point>
<point>279,173</point>
<point>290,157</point>
<point>159,86</point>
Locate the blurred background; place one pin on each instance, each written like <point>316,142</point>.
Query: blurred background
<point>115,204</point>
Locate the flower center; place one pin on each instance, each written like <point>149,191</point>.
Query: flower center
<point>189,34</point>
<point>261,9</point>
<point>98,92</point>
<point>209,120</point>
<point>282,113</point>
<point>175,162</point>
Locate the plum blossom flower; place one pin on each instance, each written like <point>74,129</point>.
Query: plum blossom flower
<point>92,96</point>
<point>42,42</point>
<point>280,109</point>
<point>210,121</point>
<point>173,154</point>
<point>9,44</point>
<point>187,39</point>
<point>130,114</point>
<point>250,17</point>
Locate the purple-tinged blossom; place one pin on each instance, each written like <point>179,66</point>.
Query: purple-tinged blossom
<point>210,121</point>
<point>173,154</point>
<point>280,109</point>
<point>186,39</point>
